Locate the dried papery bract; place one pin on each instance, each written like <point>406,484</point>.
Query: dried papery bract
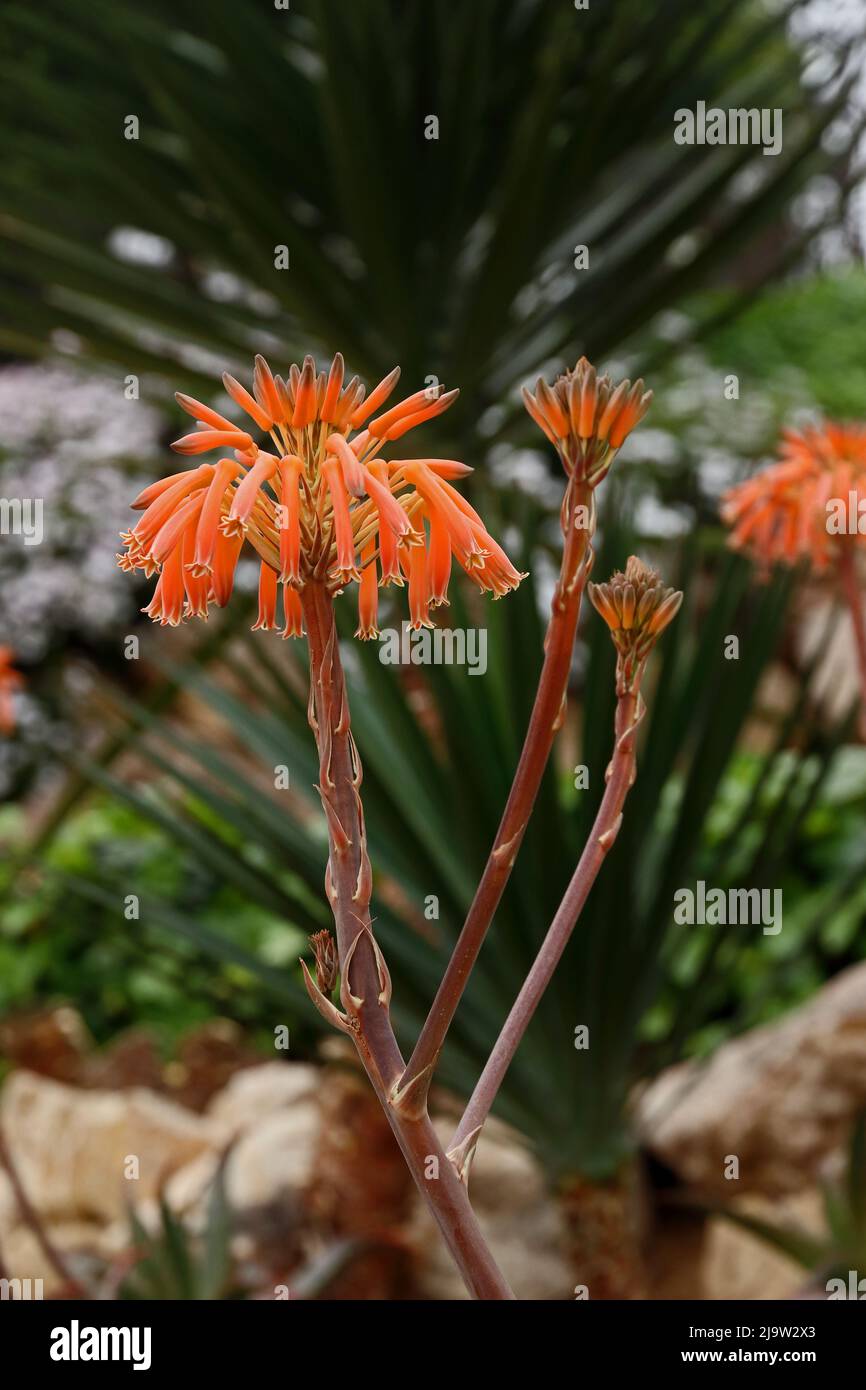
<point>325,953</point>
<point>806,508</point>
<point>637,608</point>
<point>324,508</point>
<point>587,418</point>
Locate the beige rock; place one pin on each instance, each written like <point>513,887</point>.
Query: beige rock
<point>273,1159</point>
<point>72,1146</point>
<point>270,1117</point>
<point>737,1264</point>
<point>259,1091</point>
<point>781,1099</point>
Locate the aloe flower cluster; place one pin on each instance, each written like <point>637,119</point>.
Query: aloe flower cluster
<point>321,502</point>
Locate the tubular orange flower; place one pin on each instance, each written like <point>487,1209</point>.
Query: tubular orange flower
<point>320,503</point>
<point>210,515</point>
<point>267,617</point>
<point>292,613</point>
<point>586,418</point>
<point>169,596</point>
<point>202,441</point>
<point>781,515</point>
<point>10,681</point>
<point>368,594</point>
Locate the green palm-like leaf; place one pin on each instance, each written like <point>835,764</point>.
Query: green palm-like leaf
<point>305,128</point>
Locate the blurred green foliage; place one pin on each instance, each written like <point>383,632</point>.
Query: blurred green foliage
<point>806,340</point>
<point>824,894</point>
<point>57,945</point>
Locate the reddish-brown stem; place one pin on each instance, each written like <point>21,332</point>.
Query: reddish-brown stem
<point>365,988</point>
<point>854,599</point>
<point>620,775</point>
<point>578,525</point>
<point>31,1218</point>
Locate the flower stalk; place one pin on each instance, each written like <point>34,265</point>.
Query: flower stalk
<point>365,987</point>
<point>620,776</point>
<point>544,723</point>
<point>587,419</point>
<point>637,608</point>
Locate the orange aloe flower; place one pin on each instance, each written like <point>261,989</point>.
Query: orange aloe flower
<point>587,418</point>
<point>810,506</point>
<point>320,502</point>
<point>10,681</point>
<point>785,513</point>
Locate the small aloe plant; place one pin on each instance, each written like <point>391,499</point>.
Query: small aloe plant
<point>171,1263</point>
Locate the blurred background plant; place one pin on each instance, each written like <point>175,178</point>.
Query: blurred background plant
<point>162,160</point>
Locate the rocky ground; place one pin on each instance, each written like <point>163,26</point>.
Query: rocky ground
<point>310,1165</point>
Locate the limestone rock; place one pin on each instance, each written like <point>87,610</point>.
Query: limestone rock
<point>72,1147</point>
<point>737,1264</point>
<point>782,1098</point>
<point>259,1091</point>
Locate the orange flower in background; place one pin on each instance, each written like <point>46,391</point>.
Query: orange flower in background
<point>808,507</point>
<point>587,418</point>
<point>322,502</point>
<point>10,681</point>
<point>786,512</point>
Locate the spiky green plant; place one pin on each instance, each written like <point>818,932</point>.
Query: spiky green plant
<point>233,129</point>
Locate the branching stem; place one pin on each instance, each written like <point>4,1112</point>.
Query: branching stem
<point>578,518</point>
<point>365,987</point>
<point>620,776</point>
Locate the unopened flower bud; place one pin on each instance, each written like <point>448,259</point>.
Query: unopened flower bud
<point>637,607</point>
